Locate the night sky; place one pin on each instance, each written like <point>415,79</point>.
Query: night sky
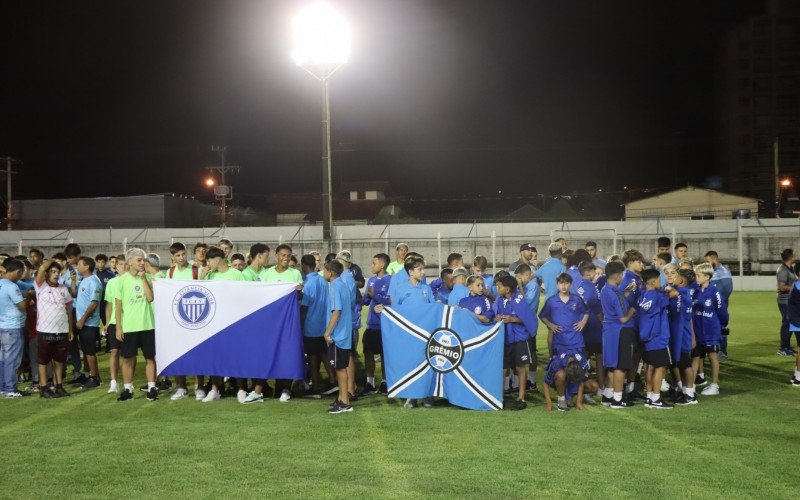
<point>441,98</point>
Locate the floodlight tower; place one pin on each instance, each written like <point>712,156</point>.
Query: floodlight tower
<point>321,46</point>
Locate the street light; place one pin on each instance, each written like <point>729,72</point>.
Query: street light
<point>210,182</point>
<point>321,46</point>
<point>786,183</point>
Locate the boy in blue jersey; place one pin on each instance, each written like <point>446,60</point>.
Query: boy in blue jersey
<point>376,294</point>
<point>633,287</point>
<point>568,373</point>
<point>477,302</point>
<point>520,324</point>
<point>460,289</point>
<point>350,279</point>
<point>712,316</point>
<point>682,333</point>
<point>530,289</point>
<point>724,282</point>
<point>87,312</point>
<point>339,332</point>
<point>654,333</point>
<point>454,261</point>
<point>565,316</point>
<point>479,265</point>
<point>619,339</point>
<point>552,267</point>
<point>661,260</point>
<point>442,293</point>
<point>400,277</point>
<point>593,331</point>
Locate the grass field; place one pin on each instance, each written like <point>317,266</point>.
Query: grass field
<point>744,442</point>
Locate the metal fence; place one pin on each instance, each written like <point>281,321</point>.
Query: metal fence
<point>748,246</point>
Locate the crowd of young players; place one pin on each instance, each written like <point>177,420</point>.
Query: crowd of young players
<point>652,323</point>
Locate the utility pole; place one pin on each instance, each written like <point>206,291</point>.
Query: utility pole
<point>9,173</point>
<point>223,192</point>
<point>777,178</point>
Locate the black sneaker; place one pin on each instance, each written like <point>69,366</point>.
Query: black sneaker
<point>79,380</point>
<point>91,383</point>
<point>146,388</point>
<point>344,408</point>
<point>660,404</point>
<point>164,385</point>
<point>125,396</point>
<point>383,389</point>
<point>616,405</point>
<point>335,402</point>
<point>795,382</point>
<point>700,381</point>
<point>369,390</point>
<point>679,397</point>
<point>606,401</point>
<point>46,393</point>
<point>60,392</point>
<point>335,408</point>
<point>353,397</point>
<point>152,394</point>
<point>530,386</point>
<point>687,400</point>
<point>519,404</point>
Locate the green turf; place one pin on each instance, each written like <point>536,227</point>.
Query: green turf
<point>744,442</point>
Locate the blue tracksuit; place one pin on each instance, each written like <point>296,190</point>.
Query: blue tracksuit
<point>615,306</point>
<point>516,306</point>
<point>381,287</point>
<point>478,304</point>
<point>593,331</point>
<point>653,319</point>
<point>712,315</point>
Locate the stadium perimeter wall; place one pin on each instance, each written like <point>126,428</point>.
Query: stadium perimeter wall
<point>755,243</point>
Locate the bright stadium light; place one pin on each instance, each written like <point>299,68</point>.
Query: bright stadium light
<point>210,182</point>
<point>786,183</point>
<point>321,36</point>
<point>321,46</point>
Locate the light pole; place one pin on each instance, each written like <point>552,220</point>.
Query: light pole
<point>321,46</point>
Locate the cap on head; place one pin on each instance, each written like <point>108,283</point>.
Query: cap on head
<point>345,256</point>
<point>526,246</point>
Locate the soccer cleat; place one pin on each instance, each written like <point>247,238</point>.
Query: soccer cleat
<point>179,393</point>
<point>383,389</point>
<point>285,396</point>
<point>112,386</point>
<point>606,401</point>
<point>711,390</point>
<point>795,382</point>
<point>125,396</point>
<point>213,395</point>
<point>12,395</point>
<point>199,394</point>
<point>241,395</point>
<point>517,405</point>
<point>700,381</point>
<point>616,405</point>
<point>410,403</point>
<point>60,392</point>
<point>46,393</point>
<point>587,399</point>
<point>659,404</point>
<point>252,397</point>
<point>687,400</point>
<point>152,394</point>
<point>369,390</point>
<point>563,405</point>
<point>91,383</point>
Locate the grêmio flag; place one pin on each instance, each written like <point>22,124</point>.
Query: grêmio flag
<point>228,328</point>
<point>442,351</point>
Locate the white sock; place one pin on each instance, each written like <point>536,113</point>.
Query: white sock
<point>506,382</point>
<point>690,392</point>
<point>655,396</point>
<point>617,396</point>
<point>129,387</point>
<point>371,381</point>
<point>629,387</point>
<point>797,374</point>
<point>680,384</point>
<point>532,377</point>
<point>561,399</point>
<point>702,375</point>
<point>608,392</point>
<point>514,381</point>
<point>150,385</point>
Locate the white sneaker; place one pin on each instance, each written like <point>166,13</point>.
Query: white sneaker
<point>112,386</point>
<point>179,394</point>
<point>253,398</point>
<point>213,395</point>
<point>199,394</point>
<point>711,390</point>
<point>241,395</point>
<point>285,396</point>
<point>664,386</point>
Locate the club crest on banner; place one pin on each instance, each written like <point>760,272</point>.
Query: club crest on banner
<point>194,307</point>
<point>445,350</point>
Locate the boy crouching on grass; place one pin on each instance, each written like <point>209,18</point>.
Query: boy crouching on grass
<point>338,333</point>
<point>568,373</point>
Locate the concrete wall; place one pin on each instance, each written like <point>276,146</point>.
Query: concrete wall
<point>762,240</point>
